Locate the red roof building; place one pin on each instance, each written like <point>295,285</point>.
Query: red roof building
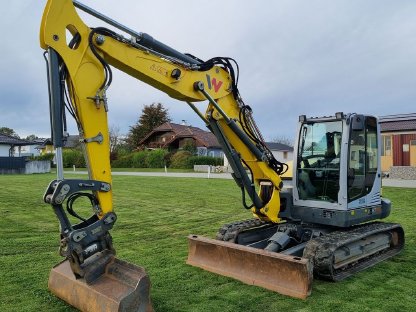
<point>175,136</point>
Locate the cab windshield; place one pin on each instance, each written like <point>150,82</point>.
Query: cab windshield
<point>319,161</point>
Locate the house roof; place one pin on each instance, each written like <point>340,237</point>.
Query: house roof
<point>205,138</point>
<point>9,140</point>
<point>401,122</point>
<point>273,146</point>
<point>70,142</point>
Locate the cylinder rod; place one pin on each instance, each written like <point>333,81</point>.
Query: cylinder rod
<point>143,39</point>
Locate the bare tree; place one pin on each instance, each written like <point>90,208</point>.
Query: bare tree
<point>283,140</point>
<point>115,137</point>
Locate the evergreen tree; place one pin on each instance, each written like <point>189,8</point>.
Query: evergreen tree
<point>9,132</point>
<point>152,116</point>
<point>32,137</point>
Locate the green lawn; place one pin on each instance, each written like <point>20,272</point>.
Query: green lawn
<point>155,215</point>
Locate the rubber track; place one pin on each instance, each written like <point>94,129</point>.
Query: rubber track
<point>229,232</point>
<point>321,250</point>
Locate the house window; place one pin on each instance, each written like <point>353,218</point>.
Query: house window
<point>386,145</point>
<point>202,151</point>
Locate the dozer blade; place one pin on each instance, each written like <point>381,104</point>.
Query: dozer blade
<point>123,287</point>
<point>288,275</point>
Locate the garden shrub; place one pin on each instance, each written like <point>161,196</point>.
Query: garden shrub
<point>206,160</point>
<point>73,157</point>
<point>156,158</point>
<point>43,157</point>
<point>123,162</point>
<point>180,160</point>
<point>142,159</point>
<point>139,159</point>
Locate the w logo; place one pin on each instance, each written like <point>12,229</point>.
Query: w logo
<point>213,83</point>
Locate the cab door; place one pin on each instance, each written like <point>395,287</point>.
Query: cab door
<point>362,161</point>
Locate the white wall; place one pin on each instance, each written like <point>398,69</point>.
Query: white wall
<point>27,150</point>
<point>4,150</point>
<point>279,155</point>
<point>43,166</point>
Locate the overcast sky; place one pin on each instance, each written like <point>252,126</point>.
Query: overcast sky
<point>295,57</point>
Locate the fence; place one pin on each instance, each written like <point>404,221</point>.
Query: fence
<point>12,165</point>
<point>20,165</point>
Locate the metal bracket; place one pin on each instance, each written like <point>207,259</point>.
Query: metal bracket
<point>98,138</point>
<point>98,99</point>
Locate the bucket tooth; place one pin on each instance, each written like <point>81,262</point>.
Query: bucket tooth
<point>287,275</point>
<point>123,287</point>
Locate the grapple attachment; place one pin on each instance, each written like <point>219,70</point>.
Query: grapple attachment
<point>288,275</point>
<point>123,287</point>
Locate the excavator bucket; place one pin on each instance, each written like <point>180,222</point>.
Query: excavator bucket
<point>123,287</point>
<point>288,275</point>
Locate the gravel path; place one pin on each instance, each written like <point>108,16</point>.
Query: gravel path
<point>201,175</point>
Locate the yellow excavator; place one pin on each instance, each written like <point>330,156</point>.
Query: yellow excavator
<point>318,227</point>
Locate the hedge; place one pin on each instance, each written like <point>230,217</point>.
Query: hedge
<point>180,160</point>
<point>160,157</point>
<point>73,157</point>
<point>123,162</point>
<point>156,158</point>
<point>139,159</point>
<point>206,160</point>
<point>143,159</point>
<point>43,157</point>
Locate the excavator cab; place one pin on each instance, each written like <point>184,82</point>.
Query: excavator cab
<point>337,172</point>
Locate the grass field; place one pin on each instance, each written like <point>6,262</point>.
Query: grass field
<point>155,215</point>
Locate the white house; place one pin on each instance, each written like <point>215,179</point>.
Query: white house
<point>32,149</point>
<point>281,152</point>
<point>11,146</point>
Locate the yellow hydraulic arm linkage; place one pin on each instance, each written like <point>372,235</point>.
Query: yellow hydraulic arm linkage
<point>79,75</point>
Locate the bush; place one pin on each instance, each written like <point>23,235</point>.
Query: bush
<point>139,159</point>
<point>156,158</point>
<point>43,157</point>
<point>123,162</point>
<point>73,157</point>
<point>142,159</point>
<point>190,147</point>
<point>180,160</point>
<point>206,160</point>
<point>168,158</point>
